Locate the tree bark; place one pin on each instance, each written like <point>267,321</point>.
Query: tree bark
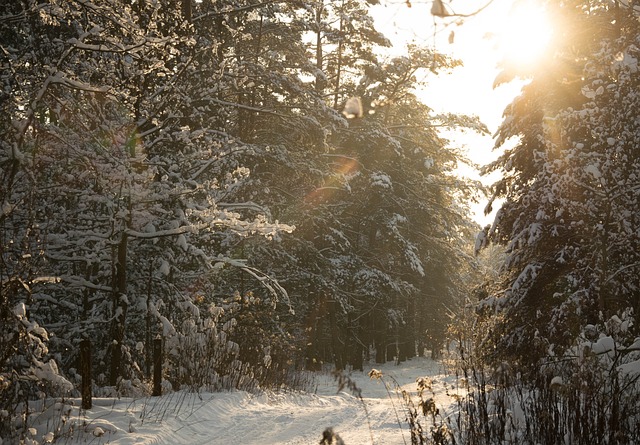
<point>186,10</point>
<point>380,338</point>
<point>120,307</point>
<point>335,340</point>
<point>157,367</point>
<point>85,371</point>
<point>336,93</point>
<point>320,82</point>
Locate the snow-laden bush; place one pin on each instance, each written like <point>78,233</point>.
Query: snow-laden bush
<point>26,371</point>
<point>235,345</point>
<point>200,354</point>
<point>586,394</point>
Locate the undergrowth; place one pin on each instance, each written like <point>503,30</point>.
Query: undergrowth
<point>586,394</point>
<point>426,423</point>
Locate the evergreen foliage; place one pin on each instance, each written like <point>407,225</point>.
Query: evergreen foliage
<point>184,170</point>
<point>570,187</point>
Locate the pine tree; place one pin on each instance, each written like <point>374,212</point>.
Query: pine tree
<point>389,224</point>
<point>569,216</point>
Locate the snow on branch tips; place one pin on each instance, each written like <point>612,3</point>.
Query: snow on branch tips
<point>265,280</point>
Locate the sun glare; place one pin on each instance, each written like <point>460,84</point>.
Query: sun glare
<point>524,34</point>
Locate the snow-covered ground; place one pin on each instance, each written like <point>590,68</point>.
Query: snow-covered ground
<point>243,418</point>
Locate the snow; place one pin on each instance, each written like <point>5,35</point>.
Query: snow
<point>353,108</point>
<point>165,268</point>
<point>267,418</point>
<point>20,311</point>
<point>630,369</point>
<point>379,179</point>
<point>556,382</point>
<point>593,170</point>
<point>182,242</point>
<point>6,208</point>
<point>605,344</point>
<point>49,372</point>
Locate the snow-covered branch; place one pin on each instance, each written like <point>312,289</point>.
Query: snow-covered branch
<point>78,282</point>
<point>269,283</point>
<point>231,10</point>
<point>249,205</point>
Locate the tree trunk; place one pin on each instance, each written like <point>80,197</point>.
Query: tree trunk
<point>380,338</point>
<point>604,260</point>
<point>336,93</point>
<point>120,306</point>
<point>148,333</point>
<point>320,81</point>
<point>356,357</point>
<point>85,372</point>
<point>186,10</point>
<point>409,335</point>
<point>335,340</point>
<point>157,367</point>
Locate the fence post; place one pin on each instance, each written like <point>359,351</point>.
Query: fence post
<point>85,372</point>
<point>157,367</point>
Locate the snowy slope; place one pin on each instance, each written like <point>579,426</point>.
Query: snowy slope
<point>243,418</point>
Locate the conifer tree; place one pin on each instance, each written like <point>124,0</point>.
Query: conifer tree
<point>569,218</point>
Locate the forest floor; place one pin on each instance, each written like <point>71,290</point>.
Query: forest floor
<point>238,417</point>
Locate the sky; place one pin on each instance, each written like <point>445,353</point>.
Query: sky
<point>469,89</point>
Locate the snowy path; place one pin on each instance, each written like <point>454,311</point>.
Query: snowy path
<point>287,419</point>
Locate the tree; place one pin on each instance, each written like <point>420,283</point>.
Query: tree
<point>569,216</point>
<point>122,180</point>
<point>390,225</point>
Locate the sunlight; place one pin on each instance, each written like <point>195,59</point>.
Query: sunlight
<point>524,35</point>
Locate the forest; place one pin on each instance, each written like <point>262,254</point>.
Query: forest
<point>259,185</point>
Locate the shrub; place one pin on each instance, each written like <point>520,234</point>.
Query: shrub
<point>587,394</point>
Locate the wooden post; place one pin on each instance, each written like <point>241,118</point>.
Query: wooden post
<point>157,367</point>
<point>85,371</point>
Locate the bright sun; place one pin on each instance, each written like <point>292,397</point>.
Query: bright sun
<point>524,34</point>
